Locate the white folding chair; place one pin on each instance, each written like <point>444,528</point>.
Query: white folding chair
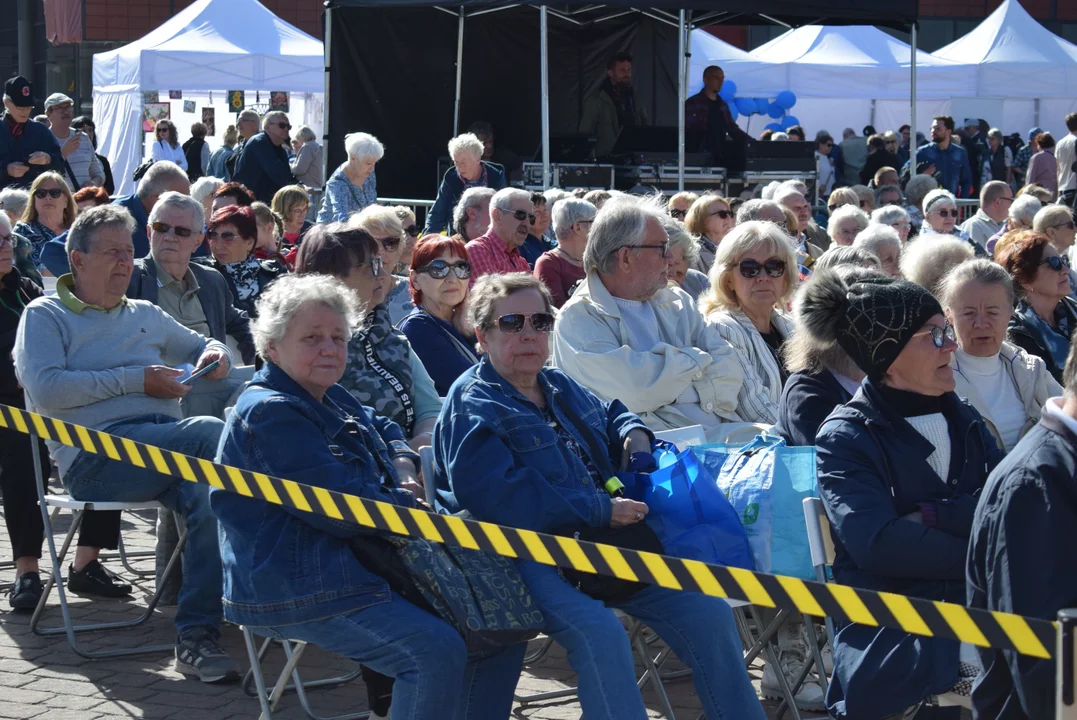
<point>821,544</point>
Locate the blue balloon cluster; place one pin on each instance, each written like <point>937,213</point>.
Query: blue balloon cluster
<point>776,109</point>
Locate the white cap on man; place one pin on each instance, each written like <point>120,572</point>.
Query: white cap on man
<point>57,99</point>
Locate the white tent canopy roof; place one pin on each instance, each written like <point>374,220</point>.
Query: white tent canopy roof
<point>860,61</point>
<point>754,77</point>
<point>1016,56</point>
<point>217,45</point>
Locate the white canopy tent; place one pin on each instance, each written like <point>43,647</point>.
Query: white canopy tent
<point>211,46</point>
<point>755,77</point>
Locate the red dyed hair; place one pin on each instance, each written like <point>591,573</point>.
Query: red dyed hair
<point>97,194</point>
<point>241,217</point>
<point>427,250</point>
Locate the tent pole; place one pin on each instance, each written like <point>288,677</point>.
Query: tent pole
<point>912,103</point>
<point>682,60</point>
<point>459,73</point>
<point>545,82</point>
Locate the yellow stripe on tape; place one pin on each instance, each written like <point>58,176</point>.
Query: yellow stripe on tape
<point>851,603</point>
<point>296,495</point>
<point>20,421</point>
<point>86,443</point>
<point>616,560</point>
<point>426,525</point>
<point>132,452</point>
<point>962,624</point>
<point>3,420</point>
<point>459,531</point>
<point>392,519</point>
<point>574,553</point>
<point>1017,629</point>
<point>40,426</point>
<point>705,579</point>
<point>158,460</point>
<point>264,484</point>
<point>497,539</point>
<point>903,611</point>
<point>536,547</point>
<point>327,503</point>
<point>753,589</point>
<point>184,467</point>
<point>62,436</point>
<point>359,511</point>
<point>210,473</point>
<point>660,570</point>
<point>801,595</point>
<point>109,447</point>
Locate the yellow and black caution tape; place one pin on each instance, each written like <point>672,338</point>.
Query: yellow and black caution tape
<point>1028,636</point>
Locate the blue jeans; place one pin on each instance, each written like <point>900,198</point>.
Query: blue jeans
<point>699,629</point>
<point>427,657</point>
<point>95,477</point>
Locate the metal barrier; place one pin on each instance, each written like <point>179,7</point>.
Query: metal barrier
<point>419,208</point>
<point>966,208</point>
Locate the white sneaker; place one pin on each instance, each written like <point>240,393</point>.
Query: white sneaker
<point>809,698</point>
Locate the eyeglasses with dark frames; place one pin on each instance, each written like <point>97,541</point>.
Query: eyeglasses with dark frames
<point>750,269</point>
<point>389,243</point>
<point>944,213</point>
<point>439,269</point>
<point>678,214</point>
<point>1056,262</point>
<point>165,228</point>
<point>522,215</point>
<point>939,335</point>
<point>663,248</point>
<point>724,214</point>
<point>53,193</point>
<point>542,322</point>
<point>412,231</point>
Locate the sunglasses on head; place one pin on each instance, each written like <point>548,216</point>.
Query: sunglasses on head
<point>412,230</point>
<point>774,268</point>
<point>54,193</point>
<point>439,269</point>
<point>164,228</point>
<point>389,243</point>
<point>939,335</point>
<point>522,215</point>
<point>678,214</point>
<point>541,322</point>
<point>214,236</point>
<point>724,214</point>
<point>1057,262</point>
<point>944,213</point>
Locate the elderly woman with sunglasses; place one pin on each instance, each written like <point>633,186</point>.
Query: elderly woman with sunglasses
<point>232,236</point>
<point>710,219</point>
<point>679,205</point>
<point>412,232</point>
<point>752,279</point>
<point>525,445</point>
<point>384,225</point>
<point>940,212</point>
<point>1045,319</point>
<point>50,212</point>
<point>901,466</point>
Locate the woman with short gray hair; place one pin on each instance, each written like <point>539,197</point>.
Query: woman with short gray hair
<point>896,217</point>
<point>1004,383</point>
<point>561,268</point>
<point>838,255</point>
<point>13,202</point>
<point>915,191</point>
<point>307,166</point>
<point>884,243</point>
<point>468,170</point>
<point>684,253</point>
<point>940,212</point>
<point>846,222</point>
<point>926,261</point>
<point>1021,216</point>
<point>354,185</point>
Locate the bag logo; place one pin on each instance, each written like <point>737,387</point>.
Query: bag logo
<point>751,513</point>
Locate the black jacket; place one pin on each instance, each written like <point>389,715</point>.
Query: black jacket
<point>1028,337</point>
<point>806,401</point>
<point>879,159</point>
<point>1020,561</point>
<point>221,314</point>
<point>263,167</point>
<point>16,292</point>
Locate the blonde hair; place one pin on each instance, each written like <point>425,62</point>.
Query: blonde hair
<point>29,215</point>
<point>264,215</point>
<point>288,198</point>
<point>379,221</point>
<point>741,240</point>
<point>696,219</point>
<point>844,196</point>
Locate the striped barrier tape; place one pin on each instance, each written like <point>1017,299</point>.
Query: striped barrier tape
<point>1027,636</point>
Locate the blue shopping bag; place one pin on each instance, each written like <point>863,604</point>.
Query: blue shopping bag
<point>766,482</point>
<point>690,515</point>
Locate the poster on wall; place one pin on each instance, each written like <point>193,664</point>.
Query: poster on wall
<point>236,100</point>
<point>188,106</point>
<point>153,112</point>
<point>150,96</point>
<point>278,101</point>
<point>209,119</point>
<point>175,94</point>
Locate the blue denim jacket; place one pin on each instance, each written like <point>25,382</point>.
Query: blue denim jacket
<point>952,165</point>
<point>496,457</point>
<point>283,566</point>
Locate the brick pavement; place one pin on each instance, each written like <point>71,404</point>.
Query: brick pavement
<point>42,678</point>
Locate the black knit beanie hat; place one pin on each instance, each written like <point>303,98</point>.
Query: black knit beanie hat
<point>880,317</point>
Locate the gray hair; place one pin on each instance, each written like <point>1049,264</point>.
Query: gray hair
<point>361,145</point>
<point>89,222</point>
<point>936,197</point>
<point>743,239</point>
<point>248,115</point>
<point>994,133</point>
<point>785,192</point>
<point>569,212</point>
<point>1048,216</point>
<point>838,255</point>
<point>5,222</point>
<point>980,270</point>
<point>889,214</point>
<point>847,212</point>
<point>874,238</point>
<point>796,184</point>
<point>288,295</point>
<point>917,189</point>
<point>205,186</point>
<point>183,202</point>
<point>753,210</point>
<point>503,198</point>
<point>887,188</point>
<point>490,288</point>
<point>621,223</point>
<point>468,142</point>
<point>1023,210</point>
<point>770,189</point>
<point>554,196</point>
<point>473,197</point>
<point>161,174</point>
<point>305,134</point>
<point>14,200</point>
<point>273,116</point>
<point>681,239</point>
<point>926,261</point>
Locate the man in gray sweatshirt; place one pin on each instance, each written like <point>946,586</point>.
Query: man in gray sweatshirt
<point>75,145</point>
<point>90,356</point>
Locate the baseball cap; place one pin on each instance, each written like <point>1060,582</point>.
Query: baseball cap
<point>972,122</point>
<point>57,99</point>
<point>1033,133</point>
<point>20,91</point>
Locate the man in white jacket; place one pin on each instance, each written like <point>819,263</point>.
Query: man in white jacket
<point>625,334</point>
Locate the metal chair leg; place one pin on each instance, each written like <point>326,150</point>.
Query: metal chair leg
<point>650,670</point>
<point>255,673</point>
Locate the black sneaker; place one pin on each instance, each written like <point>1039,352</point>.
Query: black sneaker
<point>96,579</point>
<point>26,592</point>
<point>202,657</point>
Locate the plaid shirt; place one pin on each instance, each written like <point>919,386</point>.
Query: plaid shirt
<point>1023,156</point>
<point>488,254</point>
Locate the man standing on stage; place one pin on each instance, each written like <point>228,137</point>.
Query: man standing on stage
<point>707,112</point>
<point>613,107</point>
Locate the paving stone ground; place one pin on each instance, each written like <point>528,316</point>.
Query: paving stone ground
<point>42,678</point>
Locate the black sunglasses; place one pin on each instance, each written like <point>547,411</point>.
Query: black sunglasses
<point>163,228</point>
<point>54,193</point>
<point>284,126</point>
<point>724,214</point>
<point>774,268</point>
<point>412,230</point>
<point>832,208</point>
<point>678,214</point>
<point>522,215</point>
<point>389,243</point>
<point>541,321</point>
<point>1056,262</point>
<point>939,335</point>
<point>439,269</point>
<point>662,248</point>
<point>1071,225</point>
<point>947,213</point>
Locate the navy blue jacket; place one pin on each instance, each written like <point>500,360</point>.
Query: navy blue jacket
<point>1029,337</point>
<point>444,352</point>
<point>452,187</point>
<point>1020,562</point>
<point>54,254</point>
<point>807,400</point>
<point>263,167</point>
<point>873,470</point>
<point>35,137</point>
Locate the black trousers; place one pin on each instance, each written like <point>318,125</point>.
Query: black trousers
<point>21,513</point>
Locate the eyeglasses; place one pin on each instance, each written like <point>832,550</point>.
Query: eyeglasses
<point>161,130</point>
<point>54,193</point>
<point>439,269</point>
<point>663,248</point>
<point>214,236</point>
<point>541,322</point>
<point>412,230</point>
<point>522,215</point>
<point>946,213</point>
<point>164,229</point>
<point>1057,262</point>
<point>832,208</point>
<point>284,126</point>
<point>750,269</point>
<point>1071,225</point>
<point>389,243</point>
<point>724,214</point>
<point>376,264</point>
<point>678,214</point>
<point>939,335</point>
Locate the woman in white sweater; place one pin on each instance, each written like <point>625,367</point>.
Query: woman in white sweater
<point>167,146</point>
<point>1004,383</point>
<point>752,279</point>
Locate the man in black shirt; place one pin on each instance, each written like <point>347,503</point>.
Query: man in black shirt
<point>707,112</point>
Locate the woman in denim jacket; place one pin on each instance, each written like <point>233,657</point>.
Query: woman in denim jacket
<point>292,574</point>
<point>512,447</point>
